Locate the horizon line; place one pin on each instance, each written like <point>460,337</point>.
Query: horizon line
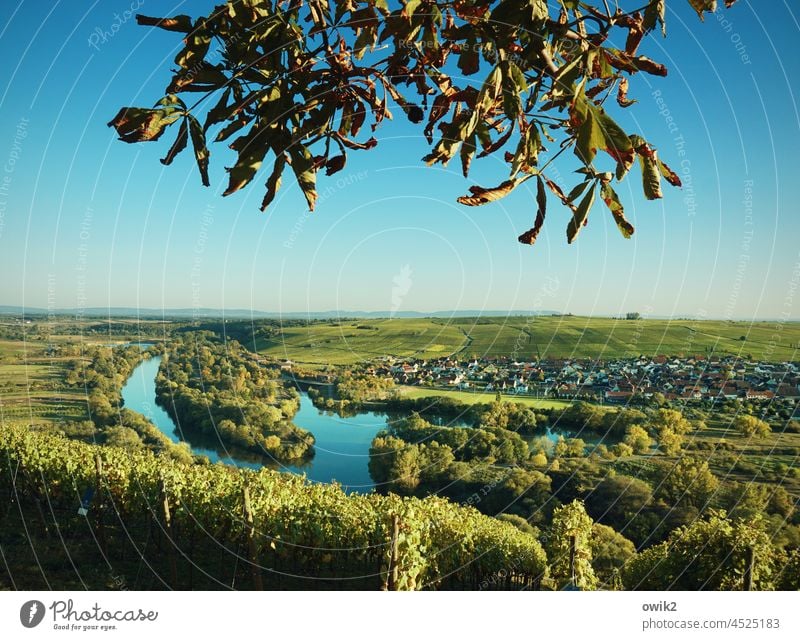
<point>378,314</point>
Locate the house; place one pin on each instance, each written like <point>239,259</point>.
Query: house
<point>618,397</point>
<point>753,394</point>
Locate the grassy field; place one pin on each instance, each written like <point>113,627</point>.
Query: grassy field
<point>349,342</point>
<point>32,388</point>
<point>530,337</point>
<point>474,398</point>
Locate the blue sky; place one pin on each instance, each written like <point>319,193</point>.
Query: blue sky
<point>86,220</point>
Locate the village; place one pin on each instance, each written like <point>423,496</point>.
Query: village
<point>615,381</point>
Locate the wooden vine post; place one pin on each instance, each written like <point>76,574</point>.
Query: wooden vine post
<point>252,547</point>
<point>749,566</point>
<point>173,566</point>
<point>572,551</point>
<point>393,573</point>
<point>98,481</point>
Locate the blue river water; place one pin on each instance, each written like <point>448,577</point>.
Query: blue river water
<point>342,444</point>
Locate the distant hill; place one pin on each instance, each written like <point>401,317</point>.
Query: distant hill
<point>134,312</point>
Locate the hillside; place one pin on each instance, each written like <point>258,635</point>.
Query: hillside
<point>526,337</point>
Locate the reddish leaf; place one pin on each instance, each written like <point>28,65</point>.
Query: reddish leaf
<point>482,196</point>
<point>622,94</point>
<point>529,237</point>
<point>614,205</point>
<point>669,175</point>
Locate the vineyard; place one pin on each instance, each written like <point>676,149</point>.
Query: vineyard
<point>151,522</point>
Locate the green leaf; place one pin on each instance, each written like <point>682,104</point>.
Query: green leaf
<point>489,91</point>
<point>655,13</point>
<point>197,44</point>
<point>303,167</point>
<point>179,144</point>
<point>514,84</point>
<point>229,129</point>
<point>411,7</point>
<point>518,77</point>
<point>143,125</point>
<point>590,138</point>
<point>614,205</point>
<point>203,77</point>
<point>617,143</point>
<point>171,100</point>
<point>274,180</point>
<point>577,190</point>
<point>597,130</point>
<point>467,153</point>
<point>580,216</point>
<point>201,153</point>
<point>219,111</point>
<point>651,175</point>
<point>252,147</point>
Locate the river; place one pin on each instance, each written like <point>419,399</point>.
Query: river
<point>342,444</point>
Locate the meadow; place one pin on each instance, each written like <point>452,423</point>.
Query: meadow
<point>528,337</point>
<point>471,398</point>
<point>32,388</point>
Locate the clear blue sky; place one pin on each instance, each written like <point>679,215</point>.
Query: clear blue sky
<point>90,221</point>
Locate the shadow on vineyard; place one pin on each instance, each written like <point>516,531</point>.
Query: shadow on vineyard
<point>83,516</point>
<point>93,517</point>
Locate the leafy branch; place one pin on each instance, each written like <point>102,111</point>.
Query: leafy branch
<point>299,79</point>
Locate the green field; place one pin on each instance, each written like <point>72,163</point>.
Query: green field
<point>31,384</point>
<point>349,342</point>
<point>531,337</point>
<point>474,398</point>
